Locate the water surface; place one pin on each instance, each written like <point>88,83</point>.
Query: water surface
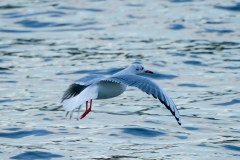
<point>192,46</point>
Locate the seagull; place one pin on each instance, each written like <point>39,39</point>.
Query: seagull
<point>94,86</point>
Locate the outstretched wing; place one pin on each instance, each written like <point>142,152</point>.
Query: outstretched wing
<point>78,86</point>
<point>149,87</point>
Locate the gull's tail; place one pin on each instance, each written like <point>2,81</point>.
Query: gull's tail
<point>88,93</point>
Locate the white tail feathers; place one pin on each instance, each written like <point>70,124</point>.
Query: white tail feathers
<point>88,93</point>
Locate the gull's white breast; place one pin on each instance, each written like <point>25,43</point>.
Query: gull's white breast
<point>109,89</point>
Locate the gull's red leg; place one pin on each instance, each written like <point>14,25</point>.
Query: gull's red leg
<point>90,108</point>
<point>86,111</point>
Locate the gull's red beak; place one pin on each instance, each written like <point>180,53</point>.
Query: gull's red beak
<point>147,71</point>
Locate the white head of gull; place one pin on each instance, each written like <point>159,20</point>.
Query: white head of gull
<point>95,86</point>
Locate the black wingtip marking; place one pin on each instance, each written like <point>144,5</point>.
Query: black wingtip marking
<point>178,121</point>
<point>165,104</point>
<point>72,91</point>
<point>173,113</point>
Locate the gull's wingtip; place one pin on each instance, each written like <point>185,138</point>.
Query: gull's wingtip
<point>178,120</point>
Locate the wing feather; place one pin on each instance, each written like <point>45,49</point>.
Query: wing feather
<point>155,94</point>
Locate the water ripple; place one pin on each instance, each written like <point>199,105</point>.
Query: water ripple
<point>232,147</point>
<point>176,26</point>
<point>81,9</point>
<point>36,24</point>
<point>235,8</point>
<point>36,155</point>
<point>19,15</point>
<point>142,132</point>
<point>191,85</point>
<point>21,134</point>
<point>234,101</point>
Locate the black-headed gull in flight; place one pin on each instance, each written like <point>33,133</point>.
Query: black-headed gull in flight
<point>95,86</point>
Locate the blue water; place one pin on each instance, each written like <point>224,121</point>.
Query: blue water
<point>36,155</point>
<point>191,46</point>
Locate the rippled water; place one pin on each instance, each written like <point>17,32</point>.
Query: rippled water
<point>192,45</point>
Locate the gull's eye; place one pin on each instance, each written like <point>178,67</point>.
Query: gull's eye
<point>137,69</point>
<point>142,68</point>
